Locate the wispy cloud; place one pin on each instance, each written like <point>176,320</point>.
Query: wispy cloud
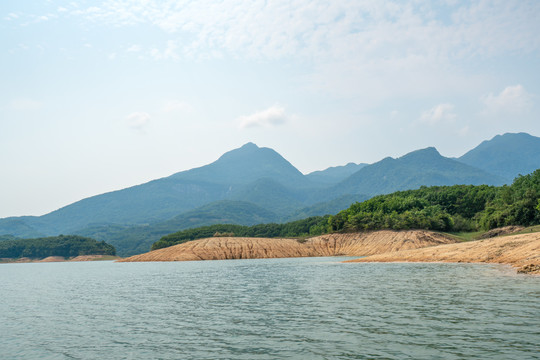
<point>384,30</point>
<point>270,117</point>
<point>138,120</point>
<point>438,113</point>
<point>512,100</point>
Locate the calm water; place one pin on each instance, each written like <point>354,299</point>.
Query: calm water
<point>314,308</point>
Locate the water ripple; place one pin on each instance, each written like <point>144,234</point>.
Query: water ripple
<point>266,309</point>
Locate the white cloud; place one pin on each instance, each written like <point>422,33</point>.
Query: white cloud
<point>11,16</point>
<point>383,45</point>
<point>382,30</point>
<point>270,117</point>
<point>512,100</point>
<point>438,114</point>
<point>138,120</point>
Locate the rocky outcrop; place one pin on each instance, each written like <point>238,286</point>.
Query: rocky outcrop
<point>521,251</point>
<point>355,244</point>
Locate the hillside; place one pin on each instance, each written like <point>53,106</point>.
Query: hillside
<point>359,244</point>
<point>424,167</point>
<point>335,174</point>
<point>130,240</point>
<point>506,155</point>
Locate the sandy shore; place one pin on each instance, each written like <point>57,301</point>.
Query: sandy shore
<point>521,251</point>
<point>355,244</point>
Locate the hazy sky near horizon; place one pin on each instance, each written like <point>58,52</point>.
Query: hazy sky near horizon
<point>101,95</point>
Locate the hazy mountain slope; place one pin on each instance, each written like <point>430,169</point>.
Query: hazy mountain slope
<point>23,226</point>
<point>507,155</point>
<point>129,240</point>
<point>334,175</point>
<point>271,195</point>
<point>331,207</point>
<point>163,198</point>
<point>422,167</point>
<point>245,165</point>
<point>150,202</point>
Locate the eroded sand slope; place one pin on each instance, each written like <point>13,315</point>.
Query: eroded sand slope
<point>521,251</point>
<point>356,244</point>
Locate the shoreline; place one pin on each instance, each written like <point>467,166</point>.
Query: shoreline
<point>521,251</point>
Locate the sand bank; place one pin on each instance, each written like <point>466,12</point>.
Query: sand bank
<point>521,251</point>
<point>354,244</point>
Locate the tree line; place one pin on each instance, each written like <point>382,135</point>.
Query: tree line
<point>457,208</point>
<point>62,245</point>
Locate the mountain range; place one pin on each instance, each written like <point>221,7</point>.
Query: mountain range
<point>252,185</point>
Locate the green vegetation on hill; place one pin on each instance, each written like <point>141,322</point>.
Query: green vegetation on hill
<point>315,225</point>
<point>447,208</point>
<point>63,245</point>
<point>458,208</point>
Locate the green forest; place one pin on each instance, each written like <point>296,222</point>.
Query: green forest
<point>62,245</point>
<point>457,208</point>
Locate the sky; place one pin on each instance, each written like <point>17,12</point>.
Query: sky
<point>97,96</point>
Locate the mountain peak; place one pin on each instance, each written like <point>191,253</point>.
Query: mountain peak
<point>249,146</point>
<point>506,155</point>
<point>429,152</point>
<point>247,164</point>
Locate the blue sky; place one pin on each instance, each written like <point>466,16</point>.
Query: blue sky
<point>101,95</point>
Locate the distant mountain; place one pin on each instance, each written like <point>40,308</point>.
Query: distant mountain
<point>331,207</point>
<point>164,198</point>
<point>135,239</point>
<point>421,167</point>
<point>506,155</point>
<point>23,226</point>
<point>334,175</point>
<point>252,184</point>
<point>271,195</point>
<point>246,165</point>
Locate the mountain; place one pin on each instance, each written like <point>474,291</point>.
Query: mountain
<point>272,195</point>
<point>506,155</point>
<point>421,167</point>
<point>335,174</point>
<point>331,207</point>
<point>246,165</point>
<point>161,199</point>
<point>253,184</point>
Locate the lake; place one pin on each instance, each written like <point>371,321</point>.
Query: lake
<point>300,308</point>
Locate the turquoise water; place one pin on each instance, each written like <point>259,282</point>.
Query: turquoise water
<point>303,308</point>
